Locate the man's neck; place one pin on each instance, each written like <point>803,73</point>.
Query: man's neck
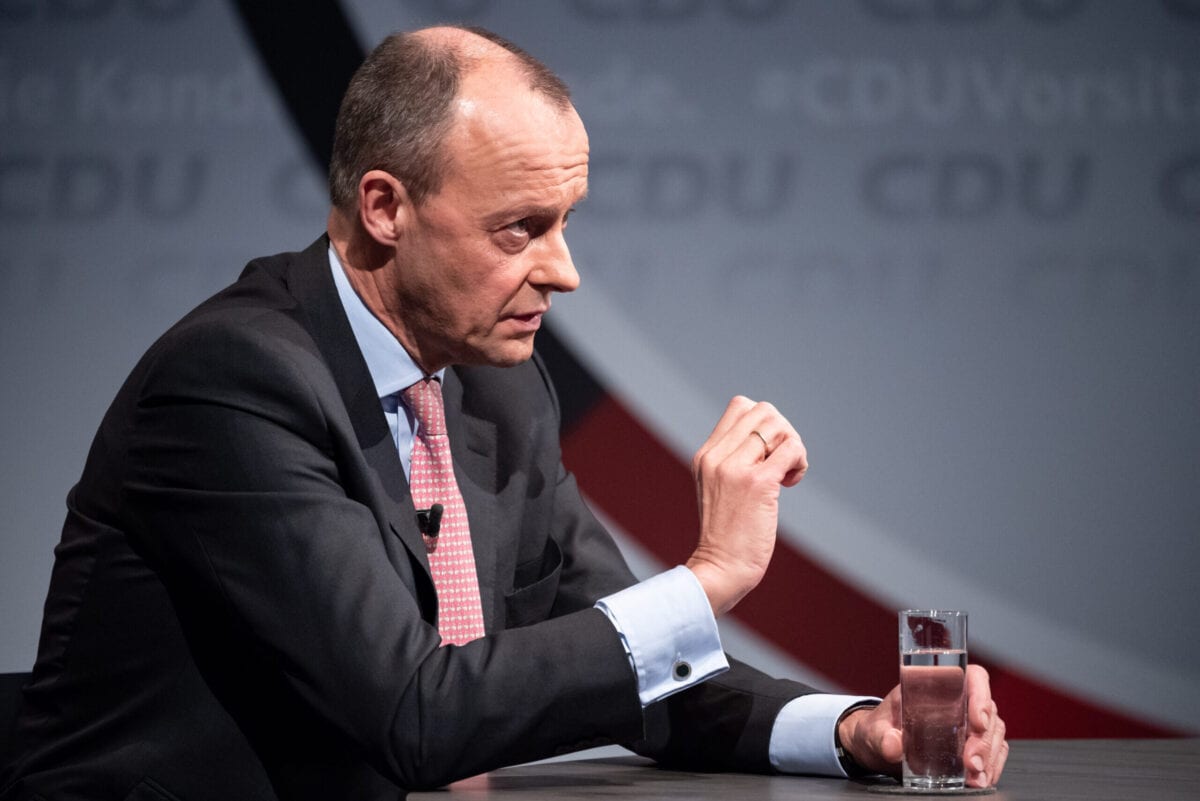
<point>365,263</point>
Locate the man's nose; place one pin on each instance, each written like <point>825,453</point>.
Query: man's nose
<point>555,269</point>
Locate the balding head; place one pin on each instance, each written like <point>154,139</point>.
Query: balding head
<point>399,106</point>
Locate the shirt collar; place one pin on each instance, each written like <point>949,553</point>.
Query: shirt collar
<point>391,368</point>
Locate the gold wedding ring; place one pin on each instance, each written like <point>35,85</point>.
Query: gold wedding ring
<point>766,447</point>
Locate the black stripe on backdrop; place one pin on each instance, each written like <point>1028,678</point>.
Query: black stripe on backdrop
<point>311,52</point>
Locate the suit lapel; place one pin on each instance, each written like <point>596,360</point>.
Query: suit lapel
<point>310,282</point>
<point>472,439</point>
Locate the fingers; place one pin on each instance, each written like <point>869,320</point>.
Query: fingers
<point>752,451</point>
<point>892,743</point>
<point>999,755</point>
<point>737,407</point>
<point>876,741</point>
<point>980,706</point>
<point>891,746</point>
<point>791,457</point>
<point>986,754</point>
<point>741,417</point>
<point>986,750</point>
<point>751,433</point>
<point>766,445</point>
<point>752,448</point>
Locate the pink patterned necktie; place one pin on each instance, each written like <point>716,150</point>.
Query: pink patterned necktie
<point>451,559</point>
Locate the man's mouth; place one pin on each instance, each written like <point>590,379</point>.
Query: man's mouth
<point>529,320</point>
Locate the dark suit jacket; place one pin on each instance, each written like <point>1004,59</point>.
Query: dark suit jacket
<point>241,606</point>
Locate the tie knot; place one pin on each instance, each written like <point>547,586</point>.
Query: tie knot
<point>424,398</point>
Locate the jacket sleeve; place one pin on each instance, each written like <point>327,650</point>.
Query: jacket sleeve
<point>724,723</point>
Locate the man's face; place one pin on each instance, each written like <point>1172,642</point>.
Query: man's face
<point>476,266</point>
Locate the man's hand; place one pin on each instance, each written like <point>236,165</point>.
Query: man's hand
<point>874,739</point>
<point>739,470</point>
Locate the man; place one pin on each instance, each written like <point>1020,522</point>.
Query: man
<point>273,583</point>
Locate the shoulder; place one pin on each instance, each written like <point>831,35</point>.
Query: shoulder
<point>254,335</point>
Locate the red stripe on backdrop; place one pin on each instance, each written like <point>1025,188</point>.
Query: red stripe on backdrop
<point>807,611</point>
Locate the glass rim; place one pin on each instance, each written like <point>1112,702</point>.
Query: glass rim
<point>933,612</point>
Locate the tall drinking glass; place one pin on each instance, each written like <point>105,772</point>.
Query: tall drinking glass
<point>933,667</point>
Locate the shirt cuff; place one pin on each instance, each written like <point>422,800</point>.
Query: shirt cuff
<point>669,632</point>
<point>802,739</point>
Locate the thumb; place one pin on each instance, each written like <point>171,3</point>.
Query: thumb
<point>891,746</point>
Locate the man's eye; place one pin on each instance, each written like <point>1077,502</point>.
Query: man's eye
<point>521,226</point>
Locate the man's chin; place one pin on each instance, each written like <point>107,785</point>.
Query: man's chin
<point>508,354</point>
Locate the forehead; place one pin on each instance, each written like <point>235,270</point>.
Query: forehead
<point>505,134</point>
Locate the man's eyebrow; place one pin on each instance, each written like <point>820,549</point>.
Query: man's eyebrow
<point>533,211</point>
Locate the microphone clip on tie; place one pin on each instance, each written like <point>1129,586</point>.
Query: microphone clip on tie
<point>429,522</point>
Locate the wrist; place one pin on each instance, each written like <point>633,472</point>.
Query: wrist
<point>725,578</point>
<point>722,590</point>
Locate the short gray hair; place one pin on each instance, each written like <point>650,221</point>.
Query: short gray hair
<point>397,111</point>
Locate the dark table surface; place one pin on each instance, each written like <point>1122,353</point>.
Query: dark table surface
<point>1053,770</point>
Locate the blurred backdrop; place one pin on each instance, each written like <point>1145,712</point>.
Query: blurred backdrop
<point>957,242</point>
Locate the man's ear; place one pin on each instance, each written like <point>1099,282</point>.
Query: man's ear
<point>383,206</point>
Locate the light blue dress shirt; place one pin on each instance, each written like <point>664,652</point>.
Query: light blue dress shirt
<point>675,648</point>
